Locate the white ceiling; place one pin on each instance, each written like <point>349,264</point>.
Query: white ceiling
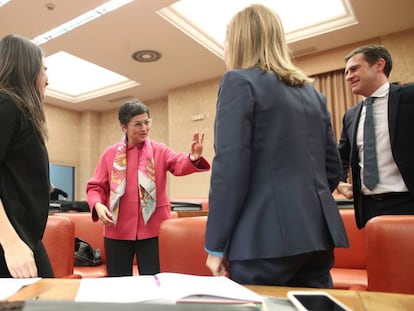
<point>111,40</point>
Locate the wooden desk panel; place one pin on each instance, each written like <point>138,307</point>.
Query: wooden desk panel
<point>356,300</point>
<point>66,289</point>
<point>48,289</point>
<point>387,301</point>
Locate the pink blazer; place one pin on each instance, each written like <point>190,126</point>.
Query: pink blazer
<point>130,225</point>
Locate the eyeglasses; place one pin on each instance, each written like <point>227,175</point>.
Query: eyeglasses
<point>141,124</point>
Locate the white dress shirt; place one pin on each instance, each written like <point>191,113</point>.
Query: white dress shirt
<point>390,179</point>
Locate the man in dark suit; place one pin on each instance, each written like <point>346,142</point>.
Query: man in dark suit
<point>367,71</point>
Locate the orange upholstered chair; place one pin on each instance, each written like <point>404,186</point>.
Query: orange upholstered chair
<point>59,241</point>
<point>350,263</point>
<point>181,245</point>
<point>91,232</point>
<point>390,253</point>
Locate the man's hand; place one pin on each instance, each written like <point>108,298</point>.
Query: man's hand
<point>345,189</point>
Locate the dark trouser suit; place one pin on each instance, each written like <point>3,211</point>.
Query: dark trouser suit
<point>397,203</point>
<point>304,270</point>
<point>120,255</point>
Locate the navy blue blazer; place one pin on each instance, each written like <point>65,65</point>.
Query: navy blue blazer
<point>401,129</point>
<point>275,167</point>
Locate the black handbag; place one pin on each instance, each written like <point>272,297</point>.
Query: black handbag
<point>85,254</point>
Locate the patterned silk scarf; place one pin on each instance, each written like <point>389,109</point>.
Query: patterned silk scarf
<point>146,180</point>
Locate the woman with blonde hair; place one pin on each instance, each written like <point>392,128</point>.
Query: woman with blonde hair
<point>272,216</point>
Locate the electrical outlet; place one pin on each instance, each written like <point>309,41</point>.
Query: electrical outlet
<point>197,117</point>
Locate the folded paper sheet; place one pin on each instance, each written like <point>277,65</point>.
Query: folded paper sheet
<point>165,288</point>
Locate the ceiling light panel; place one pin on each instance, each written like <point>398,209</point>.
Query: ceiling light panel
<point>80,20</point>
<point>74,79</point>
<point>3,2</point>
<point>301,18</point>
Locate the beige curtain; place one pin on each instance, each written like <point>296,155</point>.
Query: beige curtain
<point>338,95</point>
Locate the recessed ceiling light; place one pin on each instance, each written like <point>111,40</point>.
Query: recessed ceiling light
<point>81,80</point>
<point>108,6</point>
<point>301,18</point>
<point>73,79</point>
<point>3,2</point>
<point>146,56</point>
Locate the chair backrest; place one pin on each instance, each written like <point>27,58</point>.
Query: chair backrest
<point>89,231</point>
<point>181,245</point>
<point>353,257</point>
<point>390,253</point>
<point>59,241</point>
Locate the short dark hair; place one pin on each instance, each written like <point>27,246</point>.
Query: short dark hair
<point>131,109</point>
<point>372,53</point>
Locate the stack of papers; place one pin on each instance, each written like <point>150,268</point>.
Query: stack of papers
<point>167,288</point>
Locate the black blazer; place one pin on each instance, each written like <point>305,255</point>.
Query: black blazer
<point>275,166</point>
<point>401,129</point>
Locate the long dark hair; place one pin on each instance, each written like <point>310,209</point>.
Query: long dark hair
<point>20,64</point>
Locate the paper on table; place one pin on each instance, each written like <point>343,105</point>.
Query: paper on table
<point>165,288</point>
<point>10,286</point>
<point>208,289</point>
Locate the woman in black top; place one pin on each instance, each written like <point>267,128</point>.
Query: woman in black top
<point>24,164</point>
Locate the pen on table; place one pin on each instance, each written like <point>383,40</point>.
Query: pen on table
<point>157,281</point>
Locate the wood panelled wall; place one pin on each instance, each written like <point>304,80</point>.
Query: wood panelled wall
<point>78,139</point>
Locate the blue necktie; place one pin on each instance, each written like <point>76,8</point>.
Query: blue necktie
<point>370,154</point>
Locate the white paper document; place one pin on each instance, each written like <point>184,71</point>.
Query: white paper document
<point>165,288</point>
<point>10,286</point>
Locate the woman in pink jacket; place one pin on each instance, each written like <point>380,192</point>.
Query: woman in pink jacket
<point>128,191</point>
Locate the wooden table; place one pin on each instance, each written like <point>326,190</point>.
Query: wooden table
<point>66,289</point>
<point>356,300</point>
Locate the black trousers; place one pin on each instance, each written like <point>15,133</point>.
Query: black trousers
<point>387,204</point>
<point>44,268</point>
<point>120,256</point>
<point>304,270</point>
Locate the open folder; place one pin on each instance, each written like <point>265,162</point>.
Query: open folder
<point>169,288</point>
